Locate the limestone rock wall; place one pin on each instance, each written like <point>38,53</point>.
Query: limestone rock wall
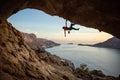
<point>100,14</point>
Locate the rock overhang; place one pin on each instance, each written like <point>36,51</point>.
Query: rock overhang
<point>99,14</point>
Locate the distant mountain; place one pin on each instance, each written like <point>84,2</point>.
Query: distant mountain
<point>38,43</point>
<point>110,43</point>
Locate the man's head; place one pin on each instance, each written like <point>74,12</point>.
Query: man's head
<point>63,27</point>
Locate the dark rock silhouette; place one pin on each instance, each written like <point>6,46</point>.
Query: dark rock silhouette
<point>110,43</point>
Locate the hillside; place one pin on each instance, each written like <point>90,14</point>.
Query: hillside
<point>110,43</point>
<point>37,43</point>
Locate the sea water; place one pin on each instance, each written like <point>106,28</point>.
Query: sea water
<point>105,59</point>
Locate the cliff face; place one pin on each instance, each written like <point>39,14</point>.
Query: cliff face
<point>19,61</point>
<point>101,14</point>
<point>110,43</point>
<point>37,43</point>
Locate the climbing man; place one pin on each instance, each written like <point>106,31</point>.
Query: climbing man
<point>69,28</point>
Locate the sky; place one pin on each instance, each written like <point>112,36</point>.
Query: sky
<point>50,27</point>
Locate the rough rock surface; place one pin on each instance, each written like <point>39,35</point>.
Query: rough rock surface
<point>101,14</point>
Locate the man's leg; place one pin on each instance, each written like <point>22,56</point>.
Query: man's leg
<point>75,28</point>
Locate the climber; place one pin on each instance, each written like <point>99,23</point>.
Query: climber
<point>69,28</point>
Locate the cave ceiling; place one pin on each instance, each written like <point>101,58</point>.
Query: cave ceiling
<point>99,14</point>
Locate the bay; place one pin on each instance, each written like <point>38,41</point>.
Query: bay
<point>105,59</point>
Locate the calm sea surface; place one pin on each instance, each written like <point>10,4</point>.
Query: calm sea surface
<point>105,59</point>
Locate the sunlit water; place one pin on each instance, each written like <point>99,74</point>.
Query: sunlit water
<point>105,59</point>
